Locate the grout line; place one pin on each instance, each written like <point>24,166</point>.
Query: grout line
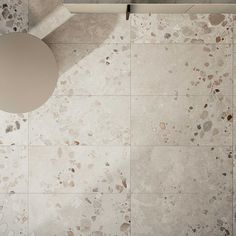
<point>123,193</point>
<point>233,128</point>
<point>28,149</point>
<point>135,43</point>
<point>130,174</point>
<point>28,170</point>
<point>118,146</point>
<point>145,95</point>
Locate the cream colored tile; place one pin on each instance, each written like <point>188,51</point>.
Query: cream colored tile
<point>13,169</point>
<point>198,215</point>
<point>13,16</point>
<point>79,214</point>
<point>184,120</point>
<point>13,214</point>
<point>181,169</point>
<point>13,129</point>
<point>92,28</point>
<point>181,69</point>
<point>82,120</point>
<point>79,169</point>
<point>89,69</point>
<point>181,28</point>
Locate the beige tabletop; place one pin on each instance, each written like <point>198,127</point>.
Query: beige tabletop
<point>28,72</point>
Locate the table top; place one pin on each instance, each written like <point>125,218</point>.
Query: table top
<point>28,72</point>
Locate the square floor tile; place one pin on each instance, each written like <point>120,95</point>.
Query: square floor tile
<point>183,120</point>
<point>13,215</point>
<point>79,169</point>
<point>92,28</point>
<point>181,169</point>
<point>198,215</point>
<point>193,69</point>
<point>79,214</point>
<point>82,120</point>
<point>13,16</point>
<point>13,169</point>
<point>13,129</point>
<point>92,69</point>
<point>181,28</point>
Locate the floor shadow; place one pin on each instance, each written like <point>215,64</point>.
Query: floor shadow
<point>90,30</point>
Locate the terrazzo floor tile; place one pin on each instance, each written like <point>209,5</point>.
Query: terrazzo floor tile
<point>79,215</point>
<point>192,120</point>
<point>92,28</point>
<point>82,120</point>
<point>13,16</point>
<point>195,69</point>
<point>13,129</point>
<point>13,215</point>
<point>181,169</point>
<point>181,28</point>
<point>91,69</point>
<point>13,169</point>
<point>37,10</point>
<point>198,215</point>
<point>79,169</point>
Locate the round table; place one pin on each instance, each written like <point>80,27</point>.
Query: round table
<point>28,72</point>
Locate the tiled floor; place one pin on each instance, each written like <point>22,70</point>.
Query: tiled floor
<point>138,137</point>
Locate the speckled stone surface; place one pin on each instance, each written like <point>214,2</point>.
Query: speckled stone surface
<point>137,139</point>
<point>14,214</point>
<point>79,76</point>
<point>186,170</point>
<point>192,28</point>
<point>82,214</point>
<point>193,120</point>
<point>79,169</point>
<point>192,69</point>
<point>81,120</point>
<point>181,214</point>
<point>13,16</point>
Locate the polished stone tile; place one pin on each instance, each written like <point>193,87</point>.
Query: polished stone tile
<point>181,28</point>
<point>92,28</point>
<point>13,16</point>
<point>181,169</point>
<point>91,69</point>
<point>183,120</point>
<point>181,214</point>
<point>13,129</point>
<point>79,169</point>
<point>13,215</point>
<point>79,214</point>
<point>82,120</point>
<point>181,69</point>
<point>39,9</point>
<point>13,169</point>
